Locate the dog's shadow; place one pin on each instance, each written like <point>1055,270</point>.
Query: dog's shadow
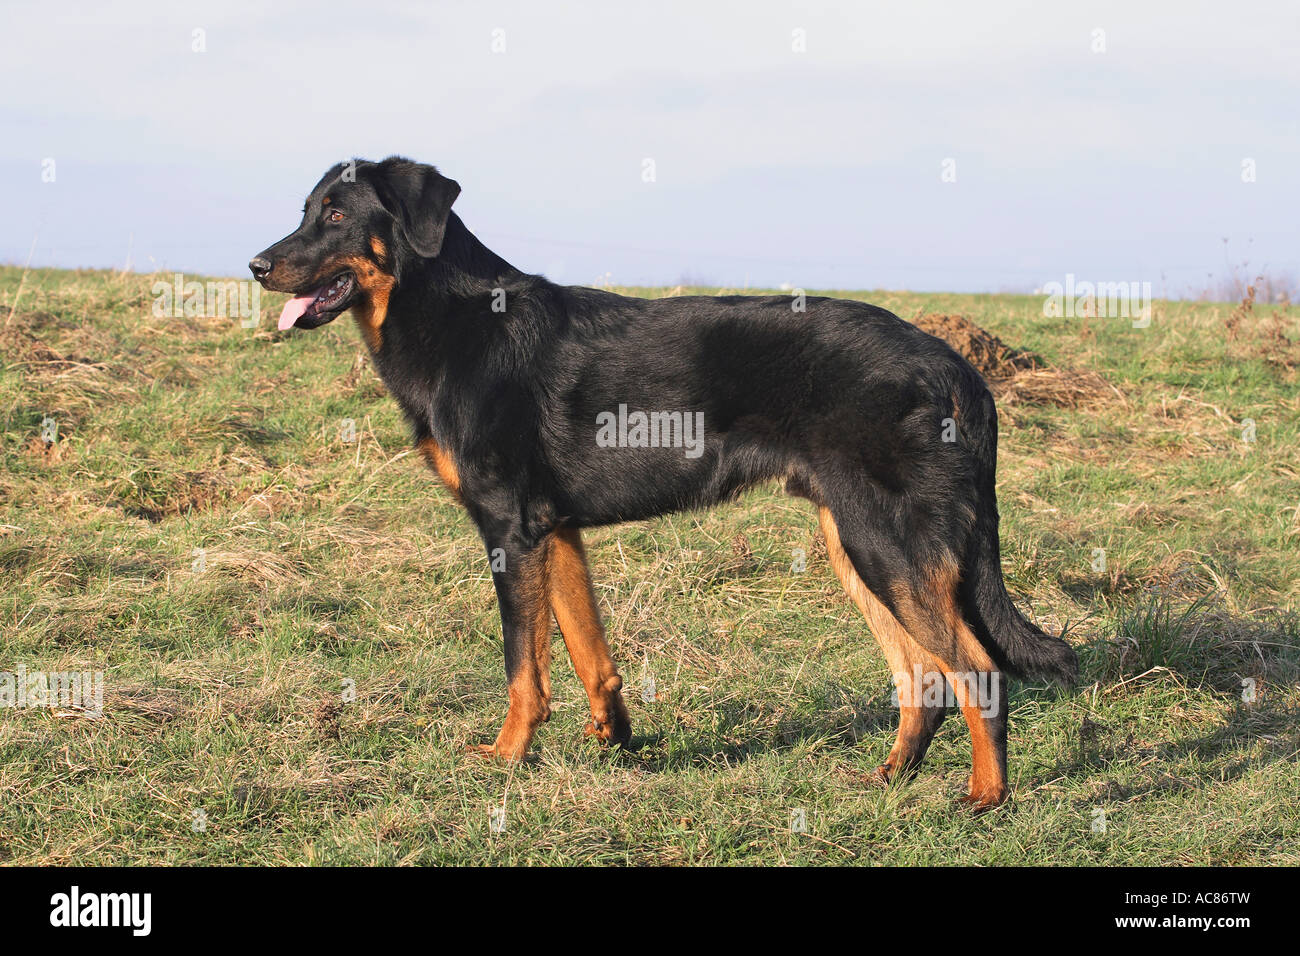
<point>1225,653</point>
<point>1241,669</point>
<point>742,730</point>
<point>1113,784</point>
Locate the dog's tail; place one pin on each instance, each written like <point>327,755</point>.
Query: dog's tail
<point>1015,644</point>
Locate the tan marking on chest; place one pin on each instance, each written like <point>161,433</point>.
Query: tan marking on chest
<point>376,285</point>
<point>441,462</point>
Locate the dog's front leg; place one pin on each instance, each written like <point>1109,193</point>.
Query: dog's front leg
<point>574,604</point>
<point>520,576</point>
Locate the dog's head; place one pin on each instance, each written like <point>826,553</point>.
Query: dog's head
<point>362,223</point>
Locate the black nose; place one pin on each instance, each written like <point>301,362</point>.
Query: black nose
<point>260,267</point>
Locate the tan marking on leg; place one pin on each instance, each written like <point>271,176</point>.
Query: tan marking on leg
<point>907,659</point>
<point>988,779</point>
<point>933,611</point>
<point>928,609</point>
<point>950,648</point>
<point>574,603</point>
<point>530,687</point>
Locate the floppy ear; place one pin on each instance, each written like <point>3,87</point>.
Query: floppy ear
<point>419,198</point>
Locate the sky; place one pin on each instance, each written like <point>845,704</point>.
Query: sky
<point>992,147</point>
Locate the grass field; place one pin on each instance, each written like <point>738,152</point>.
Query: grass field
<point>299,636</point>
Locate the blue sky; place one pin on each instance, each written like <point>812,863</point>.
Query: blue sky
<point>822,168</point>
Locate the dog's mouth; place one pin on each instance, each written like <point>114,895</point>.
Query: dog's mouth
<point>321,305</point>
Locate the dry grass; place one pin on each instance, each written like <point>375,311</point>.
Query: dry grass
<point>310,684</point>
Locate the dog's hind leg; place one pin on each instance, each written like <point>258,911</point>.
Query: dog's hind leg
<point>920,716</point>
<point>574,603</point>
<point>929,604</point>
<point>924,599</point>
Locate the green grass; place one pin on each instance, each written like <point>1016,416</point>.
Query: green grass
<point>329,565</point>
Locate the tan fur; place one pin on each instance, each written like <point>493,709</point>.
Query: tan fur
<point>574,603</point>
<point>530,686</point>
<point>950,648</point>
<point>370,308</point>
<point>903,654</point>
<point>442,463</point>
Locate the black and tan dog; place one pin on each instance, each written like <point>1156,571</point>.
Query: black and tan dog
<point>547,409</point>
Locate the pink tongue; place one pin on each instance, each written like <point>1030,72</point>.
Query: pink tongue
<point>295,307</point>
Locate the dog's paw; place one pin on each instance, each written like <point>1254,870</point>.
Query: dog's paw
<point>617,732</point>
<point>897,769</point>
<point>492,752</point>
<point>984,801</point>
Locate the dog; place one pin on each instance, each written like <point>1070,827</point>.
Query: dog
<point>547,409</point>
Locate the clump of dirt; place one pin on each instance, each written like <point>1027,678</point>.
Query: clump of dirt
<point>327,718</point>
<point>992,357</point>
<point>1016,376</point>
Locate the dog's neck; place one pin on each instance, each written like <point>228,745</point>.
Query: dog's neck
<point>439,307</point>
<point>464,267</point>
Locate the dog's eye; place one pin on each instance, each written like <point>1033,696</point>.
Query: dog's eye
<point>335,216</point>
